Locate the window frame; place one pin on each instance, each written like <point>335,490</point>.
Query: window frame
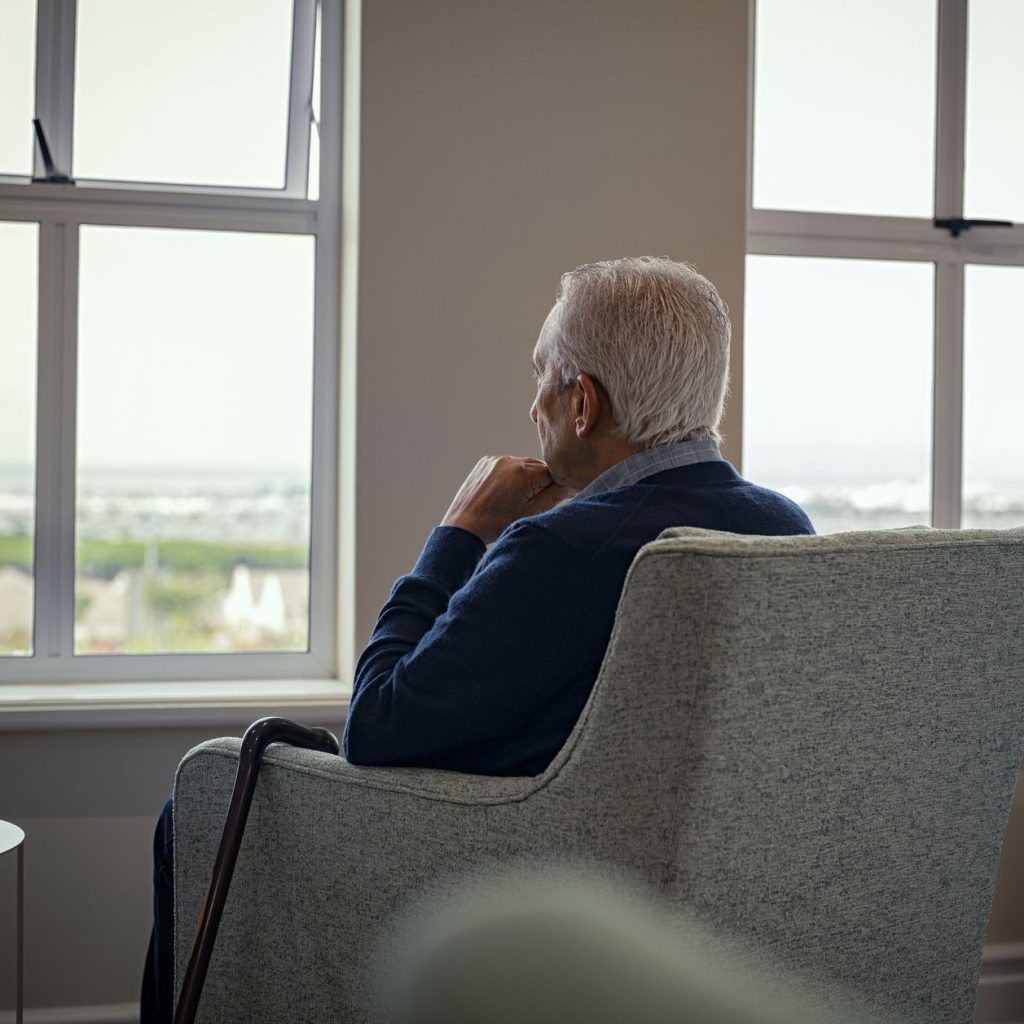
<point>60,210</point>
<point>857,236</point>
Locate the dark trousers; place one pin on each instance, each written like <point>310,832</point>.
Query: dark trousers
<point>157,1002</point>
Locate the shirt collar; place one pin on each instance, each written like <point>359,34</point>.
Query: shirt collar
<point>636,467</point>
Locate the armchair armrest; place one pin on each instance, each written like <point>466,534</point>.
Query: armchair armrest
<point>331,850</point>
<point>258,737</point>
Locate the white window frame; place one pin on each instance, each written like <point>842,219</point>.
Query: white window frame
<point>852,236</point>
<point>60,210</point>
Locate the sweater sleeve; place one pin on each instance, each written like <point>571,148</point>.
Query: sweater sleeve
<point>458,658</point>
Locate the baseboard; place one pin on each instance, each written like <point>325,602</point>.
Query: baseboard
<point>118,1013</point>
<point>1000,996</point>
<point>1001,987</point>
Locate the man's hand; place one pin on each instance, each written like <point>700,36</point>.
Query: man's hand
<point>500,490</point>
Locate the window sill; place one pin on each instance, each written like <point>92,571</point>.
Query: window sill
<point>43,706</point>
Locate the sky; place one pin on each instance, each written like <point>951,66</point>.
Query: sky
<point>196,347</point>
<point>827,372</point>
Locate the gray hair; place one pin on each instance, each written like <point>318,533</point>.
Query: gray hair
<point>655,334</point>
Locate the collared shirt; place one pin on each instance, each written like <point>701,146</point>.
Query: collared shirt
<point>635,467</point>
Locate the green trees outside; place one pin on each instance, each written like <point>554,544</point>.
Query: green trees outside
<point>169,600</point>
<point>106,558</point>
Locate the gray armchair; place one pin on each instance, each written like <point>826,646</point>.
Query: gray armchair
<point>561,947</point>
<point>810,743</point>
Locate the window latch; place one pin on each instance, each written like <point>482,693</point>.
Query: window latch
<point>52,176</point>
<point>956,225</point>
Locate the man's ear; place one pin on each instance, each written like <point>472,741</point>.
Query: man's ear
<point>586,404</point>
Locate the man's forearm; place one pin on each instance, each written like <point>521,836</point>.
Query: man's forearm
<point>417,600</point>
<point>433,644</point>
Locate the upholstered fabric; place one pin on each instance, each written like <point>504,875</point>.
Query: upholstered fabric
<point>809,742</point>
<point>585,947</point>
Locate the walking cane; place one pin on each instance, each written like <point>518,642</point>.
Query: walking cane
<point>257,738</point>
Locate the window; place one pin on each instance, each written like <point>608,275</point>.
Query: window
<point>168,330</point>
<point>884,332</point>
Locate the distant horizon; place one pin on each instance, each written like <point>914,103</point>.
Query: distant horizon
<point>168,469</point>
<point>777,476</point>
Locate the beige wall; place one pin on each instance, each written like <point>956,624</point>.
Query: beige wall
<point>88,802</point>
<point>502,143</point>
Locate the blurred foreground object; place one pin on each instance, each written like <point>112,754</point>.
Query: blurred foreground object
<point>554,948</point>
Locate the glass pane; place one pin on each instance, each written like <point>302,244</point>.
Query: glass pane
<point>189,92</point>
<point>19,261</point>
<point>194,441</point>
<point>17,84</point>
<point>844,106</point>
<point>993,415</point>
<point>837,388</point>
<point>995,116</point>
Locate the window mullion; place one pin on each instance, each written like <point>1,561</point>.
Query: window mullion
<point>89,204</point>
<point>55,79</point>
<point>67,508</point>
<point>324,516</point>
<point>846,235</point>
<point>46,564</point>
<point>950,108</point>
<point>947,412</point>
<point>799,233</point>
<point>55,441</point>
<point>300,97</point>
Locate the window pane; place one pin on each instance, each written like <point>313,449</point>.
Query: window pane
<point>837,388</point>
<point>993,415</point>
<point>194,440</point>
<point>19,247</point>
<point>189,92</point>
<point>995,118</point>
<point>844,105</point>
<point>17,84</point>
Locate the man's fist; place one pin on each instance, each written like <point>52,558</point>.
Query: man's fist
<point>500,490</point>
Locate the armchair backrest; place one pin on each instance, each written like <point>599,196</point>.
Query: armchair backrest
<point>829,731</point>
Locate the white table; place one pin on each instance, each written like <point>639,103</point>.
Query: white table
<point>13,838</point>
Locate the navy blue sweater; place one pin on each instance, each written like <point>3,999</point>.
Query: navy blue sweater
<point>483,665</point>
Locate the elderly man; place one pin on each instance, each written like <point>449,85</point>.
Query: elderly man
<point>483,664</point>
